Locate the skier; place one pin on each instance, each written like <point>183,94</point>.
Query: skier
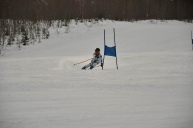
<point>97,59</point>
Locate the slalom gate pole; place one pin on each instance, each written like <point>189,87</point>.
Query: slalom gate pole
<point>192,40</point>
<point>104,50</point>
<point>83,61</point>
<point>116,48</point>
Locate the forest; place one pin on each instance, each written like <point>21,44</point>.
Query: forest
<point>86,9</point>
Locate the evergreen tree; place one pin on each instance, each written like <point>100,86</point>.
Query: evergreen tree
<point>47,35</point>
<point>25,38</point>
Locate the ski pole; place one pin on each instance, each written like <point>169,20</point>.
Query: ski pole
<point>83,61</point>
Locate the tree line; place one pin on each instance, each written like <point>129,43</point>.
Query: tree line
<point>87,9</point>
<point>26,22</point>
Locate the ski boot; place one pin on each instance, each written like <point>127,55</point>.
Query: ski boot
<point>84,68</point>
<point>91,67</point>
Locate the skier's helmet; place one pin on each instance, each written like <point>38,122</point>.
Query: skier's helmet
<point>97,49</point>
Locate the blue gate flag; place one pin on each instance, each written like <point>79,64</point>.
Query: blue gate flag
<point>110,51</point>
<point>192,41</point>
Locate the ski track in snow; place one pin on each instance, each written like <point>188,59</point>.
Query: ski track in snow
<point>41,88</point>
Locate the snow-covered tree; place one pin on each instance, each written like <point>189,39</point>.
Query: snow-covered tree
<point>25,38</point>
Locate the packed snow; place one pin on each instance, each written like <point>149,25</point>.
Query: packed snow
<point>41,88</point>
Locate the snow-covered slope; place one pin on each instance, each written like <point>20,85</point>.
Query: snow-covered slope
<point>153,88</point>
